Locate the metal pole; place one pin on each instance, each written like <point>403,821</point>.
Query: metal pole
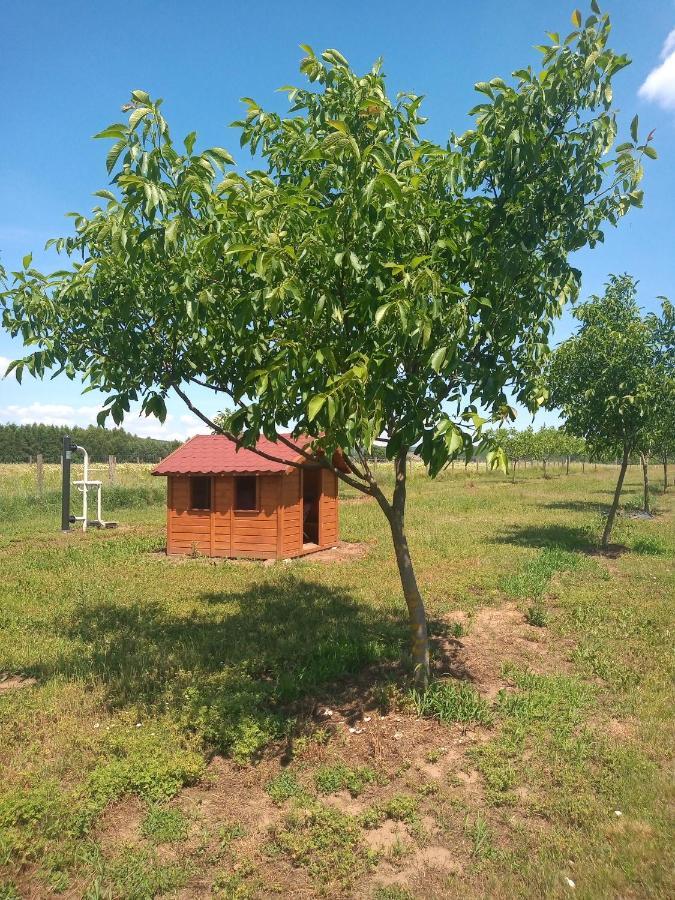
<point>65,484</point>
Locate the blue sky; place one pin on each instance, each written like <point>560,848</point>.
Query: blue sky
<point>66,68</point>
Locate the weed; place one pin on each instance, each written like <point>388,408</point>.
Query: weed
<point>229,832</point>
<point>434,755</point>
<point>8,891</point>
<point>241,884</point>
<point>163,825</point>
<point>392,892</point>
<point>400,808</point>
<point>649,546</point>
<point>537,615</point>
<point>332,778</point>
<point>137,874</point>
<point>284,786</point>
<point>533,580</point>
<point>481,837</point>
<point>450,701</point>
<point>325,842</point>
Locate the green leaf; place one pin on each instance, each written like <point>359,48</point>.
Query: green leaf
<point>189,142</point>
<point>27,260</point>
<point>137,116</point>
<point>219,156</point>
<point>112,131</point>
<point>390,183</point>
<point>114,154</point>
<point>315,406</point>
<point>634,128</point>
<point>354,260</point>
<point>650,152</point>
<point>381,312</point>
<point>576,18</point>
<point>438,358</point>
<point>141,97</point>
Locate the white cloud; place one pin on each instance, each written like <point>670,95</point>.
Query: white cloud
<point>659,85</point>
<point>65,414</point>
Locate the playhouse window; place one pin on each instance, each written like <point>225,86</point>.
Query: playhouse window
<point>245,492</point>
<point>200,493</point>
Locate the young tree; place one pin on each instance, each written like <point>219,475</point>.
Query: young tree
<point>360,280</point>
<point>545,445</point>
<point>661,438</point>
<point>517,445</point>
<point>603,377</point>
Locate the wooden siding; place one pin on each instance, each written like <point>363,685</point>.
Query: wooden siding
<point>291,502</point>
<point>223,491</point>
<point>186,527</point>
<point>272,530</point>
<point>328,509</point>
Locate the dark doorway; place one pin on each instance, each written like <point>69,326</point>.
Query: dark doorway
<point>311,493</point>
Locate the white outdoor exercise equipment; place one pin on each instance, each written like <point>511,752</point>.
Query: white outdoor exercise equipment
<point>84,485</point>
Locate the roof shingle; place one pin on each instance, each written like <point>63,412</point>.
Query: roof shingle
<point>215,454</point>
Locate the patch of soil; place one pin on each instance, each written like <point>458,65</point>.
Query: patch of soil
<point>120,823</point>
<point>344,801</point>
<point>638,514</point>
<point>386,836</point>
<point>611,551</point>
<point>497,635</point>
<point>429,861</point>
<point>14,682</point>
<point>342,552</point>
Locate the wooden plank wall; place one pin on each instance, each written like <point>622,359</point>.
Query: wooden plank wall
<point>223,495</point>
<point>254,532</point>
<point>292,513</point>
<point>328,509</point>
<point>270,531</point>
<point>186,526</point>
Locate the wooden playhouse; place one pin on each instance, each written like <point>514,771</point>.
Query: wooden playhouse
<point>233,503</point>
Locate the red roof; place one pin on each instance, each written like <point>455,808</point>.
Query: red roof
<point>215,454</point>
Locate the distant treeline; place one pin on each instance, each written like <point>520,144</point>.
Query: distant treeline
<point>21,443</point>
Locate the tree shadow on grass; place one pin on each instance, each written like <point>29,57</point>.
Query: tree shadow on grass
<point>234,668</point>
<point>579,506</point>
<point>568,537</point>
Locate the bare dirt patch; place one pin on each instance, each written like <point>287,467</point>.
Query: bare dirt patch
<point>342,552</point>
<point>14,682</point>
<point>120,823</point>
<point>496,635</point>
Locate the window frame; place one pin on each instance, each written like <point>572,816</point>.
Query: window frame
<point>251,510</point>
<point>202,478</point>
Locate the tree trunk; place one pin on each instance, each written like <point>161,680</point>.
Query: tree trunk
<point>416,613</point>
<point>615,502</point>
<point>645,478</point>
<point>567,472</point>
<point>544,468</point>
<point>514,471</point>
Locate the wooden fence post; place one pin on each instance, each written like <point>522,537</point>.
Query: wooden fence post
<point>40,475</point>
<point>112,474</point>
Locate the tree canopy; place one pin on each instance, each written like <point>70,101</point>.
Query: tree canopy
<point>360,278</point>
<point>20,442</point>
<point>610,378</point>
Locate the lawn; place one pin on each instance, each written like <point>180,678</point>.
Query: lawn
<point>196,728</point>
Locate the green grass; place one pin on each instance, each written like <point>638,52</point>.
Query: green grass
<point>450,701</point>
<point>147,668</point>
<point>325,842</point>
<point>329,779</point>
